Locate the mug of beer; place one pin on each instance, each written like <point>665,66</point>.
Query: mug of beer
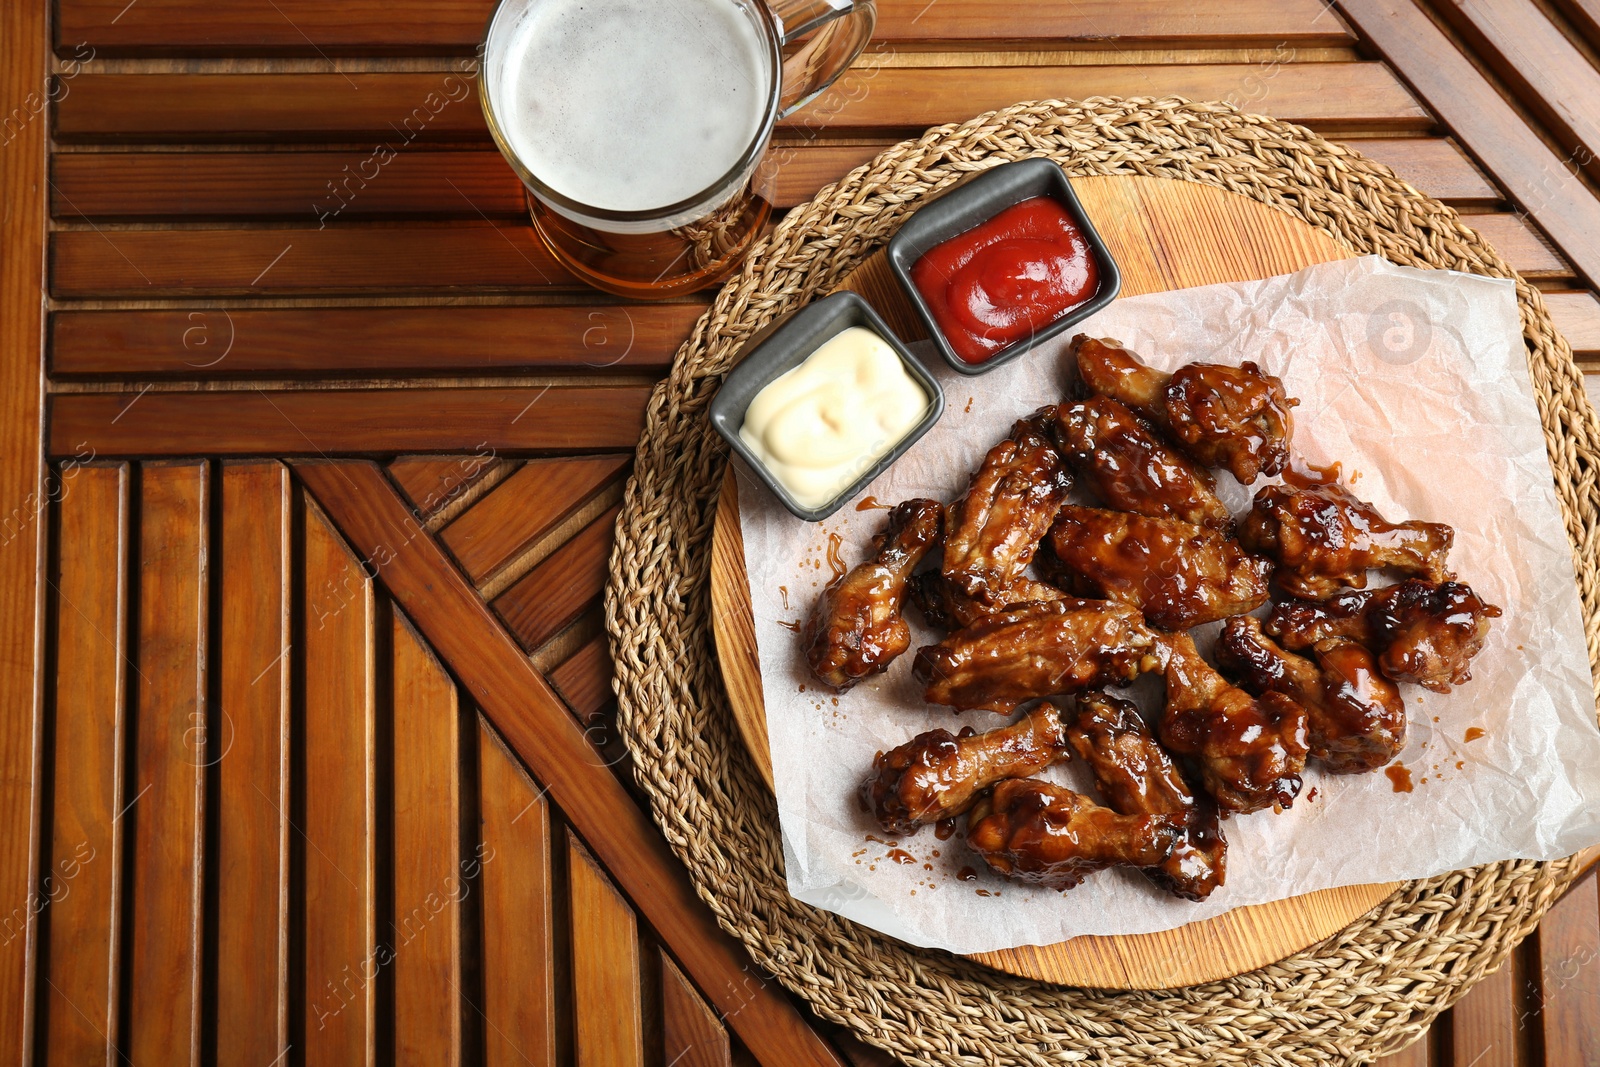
<point>639,127</point>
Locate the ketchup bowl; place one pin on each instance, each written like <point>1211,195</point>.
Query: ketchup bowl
<point>847,414</point>
<point>1002,262</point>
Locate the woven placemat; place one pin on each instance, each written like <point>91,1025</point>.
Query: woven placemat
<point>1364,992</point>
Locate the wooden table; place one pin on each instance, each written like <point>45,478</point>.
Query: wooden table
<point>311,457</point>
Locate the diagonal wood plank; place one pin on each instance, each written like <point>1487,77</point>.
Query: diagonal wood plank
<point>172,751</point>
<point>1485,125</point>
<point>430,482</point>
<point>457,624</point>
<point>555,592</point>
<point>525,507</point>
<point>254,661</point>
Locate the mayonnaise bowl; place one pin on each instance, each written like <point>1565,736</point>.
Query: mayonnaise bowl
<point>823,401</point>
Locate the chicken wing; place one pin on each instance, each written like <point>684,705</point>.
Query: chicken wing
<point>1249,750</point>
<point>1355,717</point>
<point>1137,777</point>
<point>947,608</point>
<point>1041,833</point>
<point>1111,369</point>
<point>856,628</point>
<point>1178,574</point>
<point>1037,650</point>
<point>995,529</point>
<point>1130,470</point>
<point>1233,417</point>
<point>1422,632</point>
<point>1324,537</point>
<point>939,775</point>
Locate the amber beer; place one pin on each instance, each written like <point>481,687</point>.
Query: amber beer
<point>640,126</point>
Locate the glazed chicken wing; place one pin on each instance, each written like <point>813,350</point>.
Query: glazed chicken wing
<point>1037,650</point>
<point>995,529</point>
<point>1324,537</point>
<point>856,628</point>
<point>1178,574</point>
<point>938,775</point>
<point>1233,417</point>
<point>1423,633</point>
<point>947,608</point>
<point>1137,777</point>
<point>1041,833</point>
<point>1109,368</point>
<point>1130,470</point>
<point>1249,750</point>
<point>1355,717</point>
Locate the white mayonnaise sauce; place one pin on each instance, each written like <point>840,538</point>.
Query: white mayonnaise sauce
<point>818,426</point>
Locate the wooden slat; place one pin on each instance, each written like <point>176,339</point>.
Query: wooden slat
<point>584,678</point>
<point>378,420</point>
<point>324,342</point>
<point>396,107</point>
<point>1485,125</point>
<point>306,27</point>
<point>252,865</point>
<point>174,747</point>
<point>428,880</point>
<point>25,72</point>
<point>1520,245</point>
<point>1569,959</point>
<point>313,187</point>
<point>1585,18</point>
<point>389,259</point>
<point>1365,95</point>
<point>407,258</point>
<point>1416,1054</point>
<point>499,678</point>
<point>430,482</point>
<point>557,590</point>
<point>83,883</point>
<point>520,1026</point>
<point>1577,316</point>
<point>1485,1024</point>
<point>691,1036</point>
<point>1435,166</point>
<point>1536,61</point>
<point>340,953</point>
<point>524,508</point>
<point>357,106</point>
<point>606,993</point>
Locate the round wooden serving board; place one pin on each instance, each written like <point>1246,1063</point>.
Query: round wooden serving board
<point>1165,234</point>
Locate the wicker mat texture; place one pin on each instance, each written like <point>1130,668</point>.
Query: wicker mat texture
<point>1364,992</point>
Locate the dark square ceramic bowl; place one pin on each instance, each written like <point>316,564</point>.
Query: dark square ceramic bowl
<point>785,345</point>
<point>976,201</point>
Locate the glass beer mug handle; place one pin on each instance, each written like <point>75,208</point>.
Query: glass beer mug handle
<point>820,39</point>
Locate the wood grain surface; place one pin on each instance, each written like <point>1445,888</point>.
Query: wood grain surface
<point>193,219</point>
<point>1164,235</point>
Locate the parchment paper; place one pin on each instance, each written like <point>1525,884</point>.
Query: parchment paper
<point>1417,381</point>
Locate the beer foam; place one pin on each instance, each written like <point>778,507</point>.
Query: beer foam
<point>631,105</point>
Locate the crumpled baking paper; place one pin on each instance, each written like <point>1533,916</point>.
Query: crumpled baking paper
<point>1417,382</point>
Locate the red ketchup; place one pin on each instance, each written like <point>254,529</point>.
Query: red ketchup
<point>1001,281</point>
